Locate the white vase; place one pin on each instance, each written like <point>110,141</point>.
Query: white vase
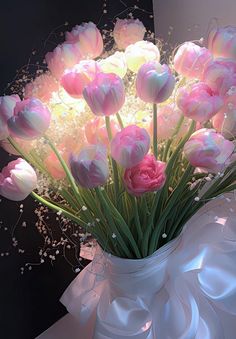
<point>186,289</point>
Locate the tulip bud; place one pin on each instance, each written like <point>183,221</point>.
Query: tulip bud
<point>87,38</point>
<point>130,145</point>
<point>147,176</point>
<point>154,82</point>
<point>90,168</point>
<point>140,53</point>
<point>115,63</point>
<point>191,59</point>
<point>74,80</point>
<point>105,95</point>
<point>17,180</point>
<point>208,150</point>
<point>64,56</point>
<point>222,42</point>
<point>128,31</point>
<point>199,102</point>
<point>31,119</point>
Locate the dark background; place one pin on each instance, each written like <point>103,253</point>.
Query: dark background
<point>30,291</point>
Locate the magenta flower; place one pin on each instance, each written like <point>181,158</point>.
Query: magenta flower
<point>17,180</point>
<point>87,38</point>
<point>63,56</point>
<point>128,31</point>
<point>74,80</point>
<point>31,119</point>
<point>147,176</point>
<point>222,42</point>
<point>225,120</point>
<point>130,145</point>
<point>199,102</point>
<point>154,82</point>
<point>90,168</point>
<point>191,59</point>
<point>220,75</point>
<point>105,95</point>
<point>208,150</point>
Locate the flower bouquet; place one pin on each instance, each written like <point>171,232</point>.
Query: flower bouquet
<point>130,149</point>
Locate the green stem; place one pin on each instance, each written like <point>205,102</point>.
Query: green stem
<point>113,163</point>
<point>56,208</point>
<point>120,120</point>
<point>137,221</point>
<point>155,130</point>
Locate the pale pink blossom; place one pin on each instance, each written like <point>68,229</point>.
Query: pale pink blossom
<point>17,180</point>
<point>154,82</point>
<point>199,102</point>
<point>96,131</point>
<point>225,120</point>
<point>105,95</point>
<point>220,75</point>
<point>147,176</point>
<point>190,60</point>
<point>87,38</point>
<point>168,117</point>
<point>208,150</point>
<point>222,42</point>
<point>130,145</point>
<point>7,105</point>
<point>63,56</point>
<point>75,79</point>
<point>128,31</point>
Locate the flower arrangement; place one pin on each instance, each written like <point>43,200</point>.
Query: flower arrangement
<point>123,145</point>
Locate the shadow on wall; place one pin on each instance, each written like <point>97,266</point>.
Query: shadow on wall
<point>182,20</point>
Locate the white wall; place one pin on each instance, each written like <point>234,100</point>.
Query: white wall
<point>191,19</point>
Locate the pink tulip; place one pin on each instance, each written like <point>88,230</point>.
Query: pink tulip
<point>128,31</point>
<point>74,80</point>
<point>64,56</point>
<point>105,95</point>
<point>222,42</point>
<point>199,102</point>
<point>65,148</point>
<point>191,59</point>
<point>208,150</point>
<point>17,180</point>
<point>147,176</point>
<point>220,75</point>
<point>154,82</point>
<point>168,117</point>
<point>87,38</point>
<point>31,119</point>
<point>7,105</point>
<point>140,53</point>
<point>96,132</point>
<point>130,145</point>
<point>26,145</point>
<point>42,87</point>
<point>225,120</point>
<point>90,168</point>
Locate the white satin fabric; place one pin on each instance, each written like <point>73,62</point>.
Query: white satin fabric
<point>185,290</point>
